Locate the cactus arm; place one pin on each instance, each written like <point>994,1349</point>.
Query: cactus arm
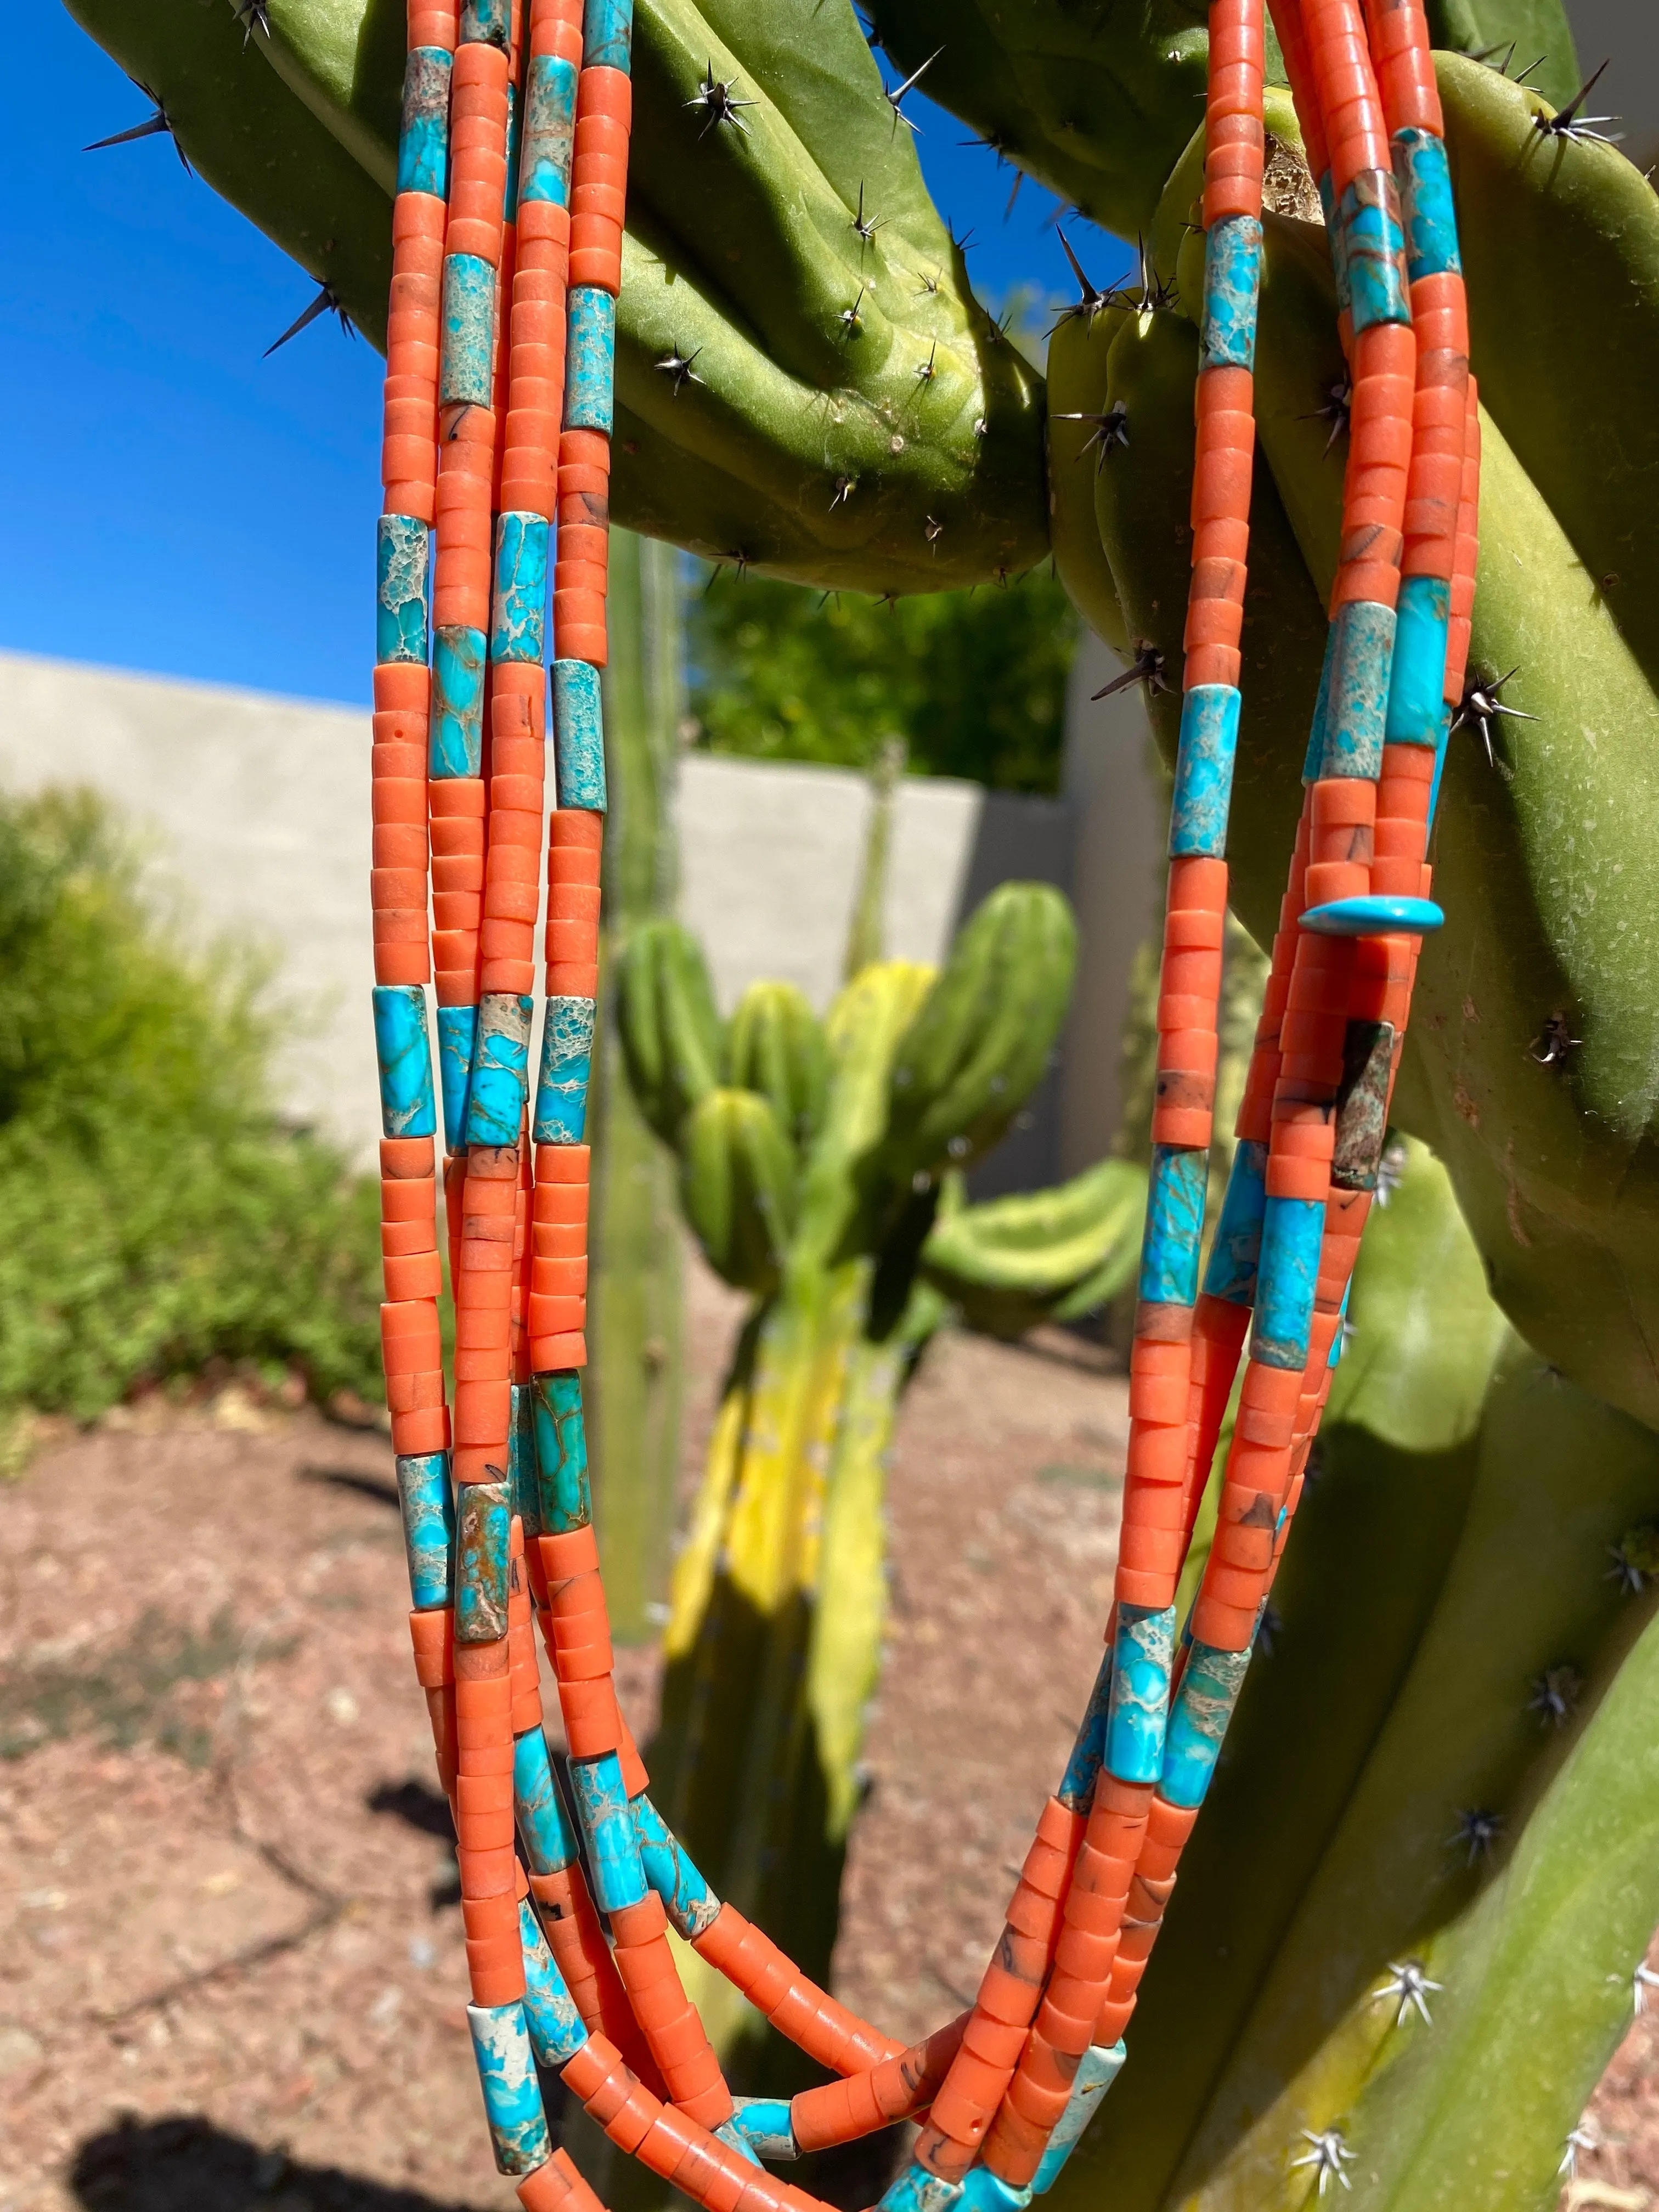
<point>741,249</point>
<point>1560,245</point>
<point>1081,442</point>
<point>1010,1262</point>
<point>251,138</point>
<point>1537,28</point>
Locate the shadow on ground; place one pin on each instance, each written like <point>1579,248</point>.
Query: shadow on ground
<point>183,2164</point>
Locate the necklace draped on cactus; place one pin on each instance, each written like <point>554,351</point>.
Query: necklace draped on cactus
<point>507,238</point>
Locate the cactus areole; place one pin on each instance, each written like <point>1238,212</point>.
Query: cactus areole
<point>508,232</point>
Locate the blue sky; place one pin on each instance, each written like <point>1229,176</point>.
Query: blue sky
<point>170,500</point>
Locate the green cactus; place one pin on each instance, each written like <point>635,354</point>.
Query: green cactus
<point>666,1015</point>
<point>774,1641</point>
<point>631,1391</point>
<point>1454,1552</point>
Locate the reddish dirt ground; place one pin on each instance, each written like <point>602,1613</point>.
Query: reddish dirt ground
<point>231,1973</point>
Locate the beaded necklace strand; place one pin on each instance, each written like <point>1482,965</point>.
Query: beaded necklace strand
<point>506,264</point>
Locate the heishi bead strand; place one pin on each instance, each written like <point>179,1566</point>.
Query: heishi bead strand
<point>1377,1002</point>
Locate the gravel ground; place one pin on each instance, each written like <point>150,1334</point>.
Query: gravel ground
<point>231,1971</point>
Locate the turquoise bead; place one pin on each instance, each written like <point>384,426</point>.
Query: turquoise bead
<point>400,564</point>
<point>985,2191</point>
<point>1235,1254</point>
<point>1441,743</point>
<point>1175,1224</point>
<point>1077,1785</point>
<point>521,1483</point>
<point>500,1069</point>
<point>484,1519</point>
<point>1142,1659</point>
<point>1204,772</point>
<point>916,2189</point>
<point>1417,679</point>
<point>567,1065</point>
<point>457,1027</point>
<point>607,34</point>
<point>1316,752</point>
<point>550,131</point>
<point>456,742</point>
<point>486,23</point>
<point>607,1826</point>
<point>1375,916</point>
<point>544,1827</point>
<point>556,2031</point>
<point>690,1903</point>
<point>1430,219</point>
<point>428,1500</point>
<point>766,2127</point>
<point>1357,707</point>
<point>466,368</point>
<point>562,1454</point>
<point>423,136</point>
<point>1203,1705</point>
<point>1232,285</point>
<point>1097,2071</point>
<point>578,737</point>
<point>1373,250</point>
<point>512,2094</point>
<point>1292,1229</point>
<point>407,1106</point>
<point>590,359</point>
<point>510,184</point>
<point>518,623</point>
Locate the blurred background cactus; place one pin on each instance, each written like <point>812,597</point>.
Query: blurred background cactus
<point>821,1167</point>
<point>1443,1770</point>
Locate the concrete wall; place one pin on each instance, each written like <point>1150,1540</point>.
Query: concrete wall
<point>257,811</point>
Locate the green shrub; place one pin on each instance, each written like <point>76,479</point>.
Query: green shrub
<point>155,1214</point>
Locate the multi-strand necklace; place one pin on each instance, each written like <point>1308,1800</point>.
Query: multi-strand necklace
<point>508,231</point>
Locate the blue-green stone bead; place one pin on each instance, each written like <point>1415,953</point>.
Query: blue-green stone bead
<point>556,2031</point>
<point>428,1501</point>
<point>457,1027</point>
<point>578,737</point>
<point>1141,1663</point>
<point>1232,285</point>
<point>456,742</point>
<point>1204,772</point>
<point>518,619</point>
<point>1358,710</point>
<point>1373,250</point>
<point>607,1826</point>
<point>407,1107</point>
<point>914,2188</point>
<point>423,137</point>
<point>1292,1229</point>
<point>985,2191</point>
<point>483,1518</point>
<point>500,1069</point>
<point>1441,744</point>
<point>1417,678</point>
<point>400,564</point>
<point>515,133</point>
<point>521,1460</point>
<point>1333,1359</point>
<point>1428,215</point>
<point>765,2126</point>
<point>1077,1785</point>
<point>1236,1252</point>
<point>1375,914</point>
<point>1175,1225</point>
<point>466,370</point>
<point>1316,752</point>
<point>550,131</point>
<point>486,23</point>
<point>549,1841</point>
<point>562,1453</point>
<point>607,34</point>
<point>590,360</point>
<point>690,1903</point>
<point>512,2094</point>
<point>1097,2071</point>
<point>567,1065</point>
<point>1204,1702</point>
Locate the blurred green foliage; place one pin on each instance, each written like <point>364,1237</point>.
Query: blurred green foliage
<point>154,1213</point>
<point>974,682</point>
